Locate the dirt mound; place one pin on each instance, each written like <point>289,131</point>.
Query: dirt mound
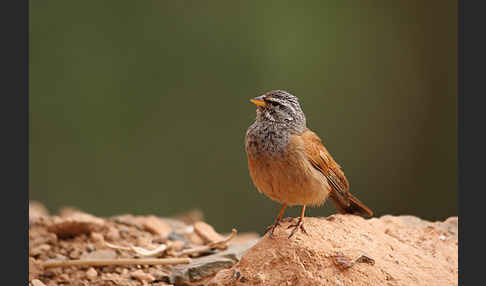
<point>349,250</point>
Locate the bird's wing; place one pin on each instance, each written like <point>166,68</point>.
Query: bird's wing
<point>321,160</point>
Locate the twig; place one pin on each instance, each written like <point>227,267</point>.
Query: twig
<point>121,261</point>
<point>222,244</point>
<point>140,251</point>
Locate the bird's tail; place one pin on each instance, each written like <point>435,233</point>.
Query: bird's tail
<point>346,203</point>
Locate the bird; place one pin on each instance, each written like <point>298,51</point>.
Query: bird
<point>290,164</point>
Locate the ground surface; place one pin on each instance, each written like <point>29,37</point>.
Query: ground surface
<point>338,250</point>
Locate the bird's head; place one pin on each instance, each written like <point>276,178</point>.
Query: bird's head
<point>279,106</point>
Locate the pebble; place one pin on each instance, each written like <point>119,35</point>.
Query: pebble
<point>91,273</point>
<point>40,249</point>
<point>97,237</point>
<point>37,282</point>
<point>76,224</point>
<point>203,267</point>
<point>142,276</point>
<point>207,232</point>
<point>113,234</point>
<point>155,226</point>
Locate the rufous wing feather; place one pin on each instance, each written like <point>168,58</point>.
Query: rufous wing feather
<point>320,159</point>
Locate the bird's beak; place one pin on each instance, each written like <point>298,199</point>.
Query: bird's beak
<point>259,100</point>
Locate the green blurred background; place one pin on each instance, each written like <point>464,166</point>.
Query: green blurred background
<point>142,106</point>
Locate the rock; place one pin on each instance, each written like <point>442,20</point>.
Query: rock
<point>75,253</point>
<point>126,219</point>
<point>69,211</point>
<point>115,278</point>
<point>175,246</point>
<point>350,250</point>
<point>142,276</point>
<point>37,282</point>
<point>99,254</point>
<point>160,275</point>
<point>206,232</point>
<point>34,269</point>
<point>236,251</point>
<point>199,268</point>
<point>190,217</point>
<point>113,234</point>
<point>155,225</point>
<point>204,267</point>
<point>91,273</point>
<point>195,239</point>
<point>97,238</point>
<point>35,251</point>
<point>64,278</point>
<point>37,211</point>
<point>77,223</point>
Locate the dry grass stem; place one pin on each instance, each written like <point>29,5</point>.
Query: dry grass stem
<point>127,261</point>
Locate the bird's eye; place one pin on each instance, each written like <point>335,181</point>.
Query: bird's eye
<point>272,102</point>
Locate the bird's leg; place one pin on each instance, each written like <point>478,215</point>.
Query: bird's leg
<point>277,221</point>
<point>299,224</point>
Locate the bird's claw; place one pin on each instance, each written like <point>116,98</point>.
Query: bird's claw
<point>272,227</point>
<point>296,226</point>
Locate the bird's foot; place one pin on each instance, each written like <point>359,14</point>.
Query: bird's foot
<point>272,227</point>
<point>296,226</point>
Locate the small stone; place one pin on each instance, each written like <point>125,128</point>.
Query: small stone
<point>64,277</point>
<point>37,211</point>
<point>177,245</point>
<point>59,257</point>
<point>126,219</point>
<point>113,234</point>
<point>35,269</point>
<point>207,232</point>
<point>365,259</point>
<point>190,217</point>
<point>142,276</point>
<point>75,253</point>
<point>155,226</point>
<point>37,282</point>
<point>177,236</point>
<point>76,224</point>
<point>159,275</point>
<point>236,251</point>
<point>203,267</point>
<point>40,249</point>
<point>115,278</point>
<point>91,273</point>
<point>97,237</point>
<point>69,211</point>
<point>342,261</point>
<point>199,268</point>
<point>195,239</point>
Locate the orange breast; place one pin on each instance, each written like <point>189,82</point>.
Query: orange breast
<point>288,178</point>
